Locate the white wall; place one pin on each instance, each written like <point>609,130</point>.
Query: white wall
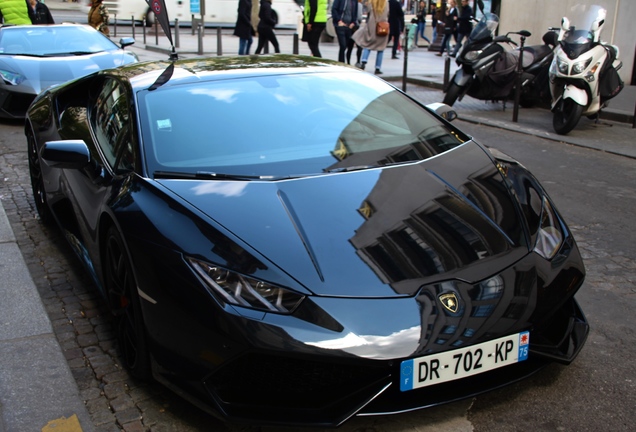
<point>537,15</point>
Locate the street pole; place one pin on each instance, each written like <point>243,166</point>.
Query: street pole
<point>515,110</point>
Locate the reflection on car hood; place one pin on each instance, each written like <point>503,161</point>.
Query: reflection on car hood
<point>41,73</point>
<point>378,232</point>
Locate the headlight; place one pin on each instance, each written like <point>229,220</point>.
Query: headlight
<point>11,77</point>
<point>562,66</point>
<point>550,236</point>
<point>244,291</point>
<point>579,67</point>
<point>472,55</point>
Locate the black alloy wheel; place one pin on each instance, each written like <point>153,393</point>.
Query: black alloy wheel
<point>566,116</point>
<point>125,305</point>
<point>452,94</point>
<point>37,182</point>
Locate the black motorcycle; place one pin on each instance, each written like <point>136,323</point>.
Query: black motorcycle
<point>488,70</point>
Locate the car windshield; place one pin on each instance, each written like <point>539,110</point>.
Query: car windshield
<point>287,125</point>
<point>46,41</point>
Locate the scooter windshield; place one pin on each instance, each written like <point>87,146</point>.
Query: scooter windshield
<point>584,29</point>
<point>486,27</point>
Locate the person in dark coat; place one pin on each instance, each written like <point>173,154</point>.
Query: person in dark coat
<point>396,25</point>
<point>464,25</point>
<point>40,13</point>
<point>449,26</point>
<point>344,15</point>
<point>243,28</point>
<point>266,27</point>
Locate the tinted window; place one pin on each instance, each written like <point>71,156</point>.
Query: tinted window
<point>110,120</point>
<point>287,125</point>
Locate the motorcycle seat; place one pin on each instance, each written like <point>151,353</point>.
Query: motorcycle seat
<point>539,52</point>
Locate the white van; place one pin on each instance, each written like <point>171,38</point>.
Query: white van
<point>223,12</point>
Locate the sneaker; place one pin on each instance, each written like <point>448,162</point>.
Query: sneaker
<point>378,72</point>
<point>395,57</point>
<point>439,54</point>
<point>362,65</point>
<point>358,65</point>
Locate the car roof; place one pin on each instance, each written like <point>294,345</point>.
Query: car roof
<point>145,74</point>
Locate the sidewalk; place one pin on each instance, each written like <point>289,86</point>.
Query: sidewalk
<point>37,389</point>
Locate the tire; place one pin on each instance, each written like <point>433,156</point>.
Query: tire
<point>125,305</point>
<point>452,94</point>
<point>37,182</point>
<point>566,116</point>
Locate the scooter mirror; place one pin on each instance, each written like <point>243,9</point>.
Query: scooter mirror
<point>565,23</point>
<point>525,33</point>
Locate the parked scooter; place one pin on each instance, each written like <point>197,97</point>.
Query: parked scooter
<point>584,72</point>
<point>488,66</point>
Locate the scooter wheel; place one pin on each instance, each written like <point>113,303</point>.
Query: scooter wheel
<point>451,94</point>
<point>566,116</point>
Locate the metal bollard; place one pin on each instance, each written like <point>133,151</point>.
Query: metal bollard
<point>156,32</point>
<point>200,39</point>
<point>132,19</point>
<point>446,72</point>
<point>219,42</point>
<point>143,29</point>
<point>115,27</point>
<point>515,108</point>
<point>176,32</point>
<point>192,24</point>
<point>296,51</point>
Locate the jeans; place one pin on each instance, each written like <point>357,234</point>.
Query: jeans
<point>344,35</point>
<point>378,57</point>
<point>244,46</point>
<point>421,27</point>
<point>446,42</point>
<point>460,38</point>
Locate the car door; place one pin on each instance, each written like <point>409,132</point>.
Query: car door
<point>112,160</point>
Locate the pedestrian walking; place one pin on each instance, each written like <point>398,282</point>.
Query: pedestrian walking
<point>396,25</point>
<point>464,25</point>
<point>266,27</point>
<point>243,27</point>
<point>315,21</point>
<point>450,24</point>
<point>344,15</point>
<point>40,13</point>
<point>421,23</point>
<point>434,20</point>
<point>367,36</point>
<point>98,17</point>
<point>14,12</point>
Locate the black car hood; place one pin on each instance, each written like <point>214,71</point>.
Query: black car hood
<point>378,232</point>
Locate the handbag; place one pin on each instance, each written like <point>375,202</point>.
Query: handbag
<point>382,28</point>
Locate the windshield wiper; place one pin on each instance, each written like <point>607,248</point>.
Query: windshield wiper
<point>206,175</point>
<point>364,167</point>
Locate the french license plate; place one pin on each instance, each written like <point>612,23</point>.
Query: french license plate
<point>464,362</point>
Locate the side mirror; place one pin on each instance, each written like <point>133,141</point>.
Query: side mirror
<point>126,41</point>
<point>443,110</point>
<point>525,33</point>
<point>69,154</point>
<point>565,24</point>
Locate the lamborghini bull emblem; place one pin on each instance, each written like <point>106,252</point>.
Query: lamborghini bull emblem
<point>450,302</point>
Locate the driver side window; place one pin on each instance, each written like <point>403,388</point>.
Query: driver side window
<point>111,127</point>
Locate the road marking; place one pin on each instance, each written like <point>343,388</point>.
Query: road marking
<point>63,424</point>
